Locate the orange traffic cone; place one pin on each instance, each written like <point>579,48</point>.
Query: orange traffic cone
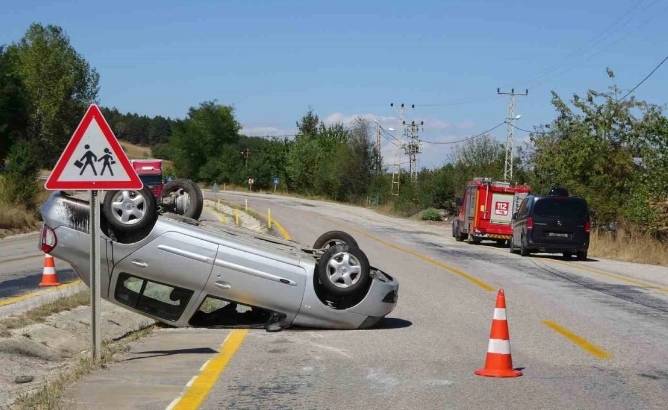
<point>499,361</point>
<point>49,276</point>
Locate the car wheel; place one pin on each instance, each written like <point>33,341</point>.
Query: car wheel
<point>582,255</point>
<point>332,238</point>
<point>183,197</point>
<point>524,251</point>
<point>567,255</point>
<point>129,211</point>
<point>343,271</point>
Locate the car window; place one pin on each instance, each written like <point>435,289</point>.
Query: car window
<point>574,208</point>
<point>164,301</point>
<point>219,312</point>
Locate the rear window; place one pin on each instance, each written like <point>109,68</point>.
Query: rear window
<point>574,208</point>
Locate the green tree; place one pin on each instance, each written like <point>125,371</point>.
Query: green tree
<point>58,82</point>
<point>609,150</point>
<point>201,141</point>
<point>20,180</point>
<point>13,110</point>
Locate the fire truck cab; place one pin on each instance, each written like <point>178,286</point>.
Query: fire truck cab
<point>486,210</point>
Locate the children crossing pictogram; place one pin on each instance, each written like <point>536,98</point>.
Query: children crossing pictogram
<point>93,159</point>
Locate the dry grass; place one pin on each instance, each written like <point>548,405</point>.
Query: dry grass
<point>13,217</point>
<point>135,151</point>
<point>39,313</point>
<point>629,246</point>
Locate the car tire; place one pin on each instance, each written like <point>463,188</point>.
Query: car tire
<point>524,251</point>
<point>183,197</point>
<point>332,238</point>
<point>567,255</point>
<point>343,270</point>
<point>129,211</point>
<point>582,255</point>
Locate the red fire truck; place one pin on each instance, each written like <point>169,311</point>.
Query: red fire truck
<point>486,210</point>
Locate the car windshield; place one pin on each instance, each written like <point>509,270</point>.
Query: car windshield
<point>574,208</point>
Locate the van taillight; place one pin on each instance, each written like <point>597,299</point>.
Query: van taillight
<point>530,222</point>
<point>48,240</point>
<point>587,227</point>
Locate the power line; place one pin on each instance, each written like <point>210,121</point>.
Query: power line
<point>646,77</point>
<point>467,138</point>
<point>529,131</point>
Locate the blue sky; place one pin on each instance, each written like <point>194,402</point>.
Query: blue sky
<point>272,60</point>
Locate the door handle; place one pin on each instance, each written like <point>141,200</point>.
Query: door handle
<point>222,284</point>
<point>139,263</point>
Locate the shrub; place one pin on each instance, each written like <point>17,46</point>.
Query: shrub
<point>430,214</point>
<point>20,181</point>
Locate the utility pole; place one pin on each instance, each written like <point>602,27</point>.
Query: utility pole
<point>508,163</point>
<point>379,165</point>
<point>245,153</point>
<point>412,145</point>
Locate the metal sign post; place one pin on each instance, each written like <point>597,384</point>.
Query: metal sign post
<point>79,168</point>
<point>95,299</point>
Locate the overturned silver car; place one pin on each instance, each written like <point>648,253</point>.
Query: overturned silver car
<point>185,272</point>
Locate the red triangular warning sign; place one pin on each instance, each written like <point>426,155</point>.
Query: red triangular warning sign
<point>93,159</point>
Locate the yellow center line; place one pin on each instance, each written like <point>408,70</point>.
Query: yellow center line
<point>200,387</point>
<point>580,341</point>
<point>473,279</point>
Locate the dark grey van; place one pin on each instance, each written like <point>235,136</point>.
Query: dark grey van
<point>553,224</point>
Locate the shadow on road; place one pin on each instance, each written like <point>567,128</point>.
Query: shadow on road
<point>159,353</point>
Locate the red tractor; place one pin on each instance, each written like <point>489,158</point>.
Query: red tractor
<point>129,211</point>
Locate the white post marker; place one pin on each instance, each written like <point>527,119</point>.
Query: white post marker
<point>93,161</point>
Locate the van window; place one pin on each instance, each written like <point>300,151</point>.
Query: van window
<point>572,208</point>
<point>157,299</point>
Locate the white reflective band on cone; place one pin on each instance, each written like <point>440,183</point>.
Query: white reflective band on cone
<point>499,314</point>
<point>49,271</point>
<point>498,346</point>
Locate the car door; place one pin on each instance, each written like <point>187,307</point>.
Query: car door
<point>255,277</point>
<point>165,277</point>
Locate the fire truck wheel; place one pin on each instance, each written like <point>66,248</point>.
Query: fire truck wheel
<point>474,240</point>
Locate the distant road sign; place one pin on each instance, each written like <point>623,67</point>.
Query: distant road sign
<point>93,159</point>
<point>276,181</point>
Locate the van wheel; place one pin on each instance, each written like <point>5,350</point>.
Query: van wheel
<point>524,251</point>
<point>511,247</point>
<point>582,255</point>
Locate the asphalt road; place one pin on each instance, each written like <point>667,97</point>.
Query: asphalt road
<point>21,265</point>
<point>426,356</point>
<point>587,334</point>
